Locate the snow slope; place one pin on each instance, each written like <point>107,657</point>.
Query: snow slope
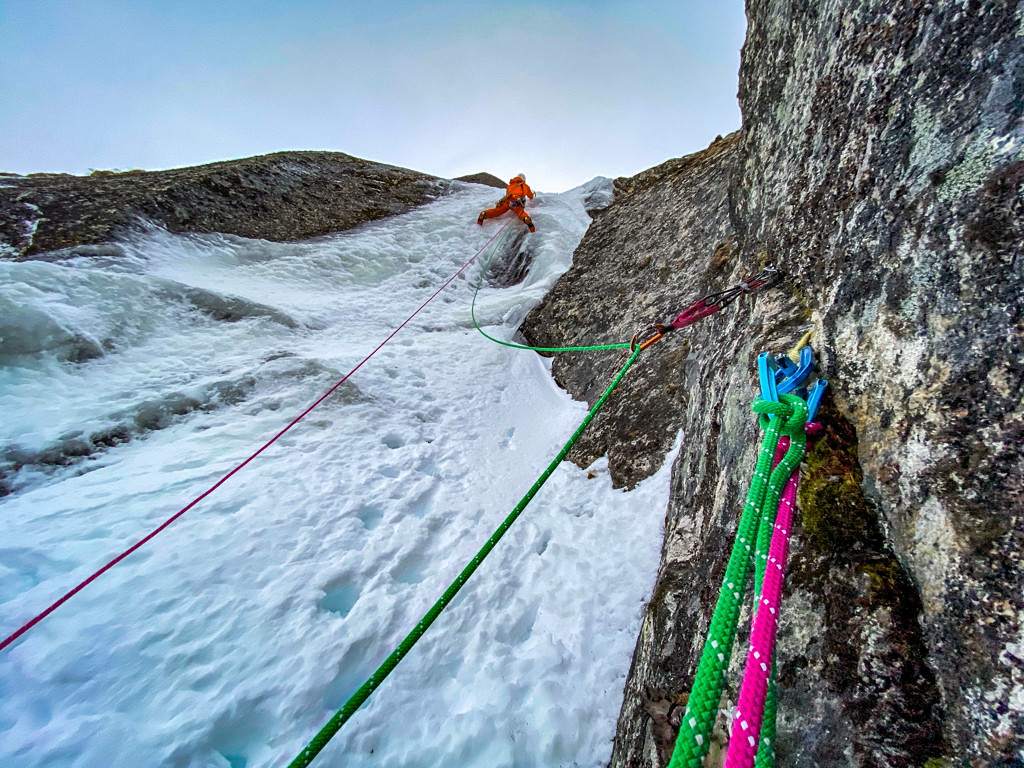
<point>234,635</point>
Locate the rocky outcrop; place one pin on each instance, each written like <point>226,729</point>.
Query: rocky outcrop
<point>487,179</point>
<point>283,196</point>
<point>638,261</point>
<point>881,165</point>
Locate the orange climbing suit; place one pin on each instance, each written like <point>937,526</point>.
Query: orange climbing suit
<point>514,200</point>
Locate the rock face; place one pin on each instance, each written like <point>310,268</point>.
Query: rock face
<point>284,196</point>
<point>881,165</point>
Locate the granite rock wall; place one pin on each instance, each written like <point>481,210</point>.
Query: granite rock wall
<point>881,166</point>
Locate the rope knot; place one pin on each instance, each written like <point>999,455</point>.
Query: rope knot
<point>792,410</point>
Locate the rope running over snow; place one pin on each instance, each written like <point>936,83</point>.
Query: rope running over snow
<point>352,705</point>
<point>82,585</point>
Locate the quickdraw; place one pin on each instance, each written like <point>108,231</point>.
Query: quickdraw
<point>709,305</point>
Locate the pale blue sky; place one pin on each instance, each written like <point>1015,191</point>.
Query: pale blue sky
<point>563,90</point>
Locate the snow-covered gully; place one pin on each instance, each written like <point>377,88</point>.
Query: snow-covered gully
<point>131,382</point>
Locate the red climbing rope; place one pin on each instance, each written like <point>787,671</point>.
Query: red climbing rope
<point>70,593</point>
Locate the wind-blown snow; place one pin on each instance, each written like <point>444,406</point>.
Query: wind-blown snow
<point>130,383</point>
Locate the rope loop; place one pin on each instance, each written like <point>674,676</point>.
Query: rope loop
<point>772,408</point>
<point>631,345</point>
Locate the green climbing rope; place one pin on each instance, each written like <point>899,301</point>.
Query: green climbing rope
<point>765,491</point>
<point>766,748</point>
<point>472,311</point>
<point>352,705</point>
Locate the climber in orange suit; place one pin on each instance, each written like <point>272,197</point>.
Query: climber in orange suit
<point>515,200</point>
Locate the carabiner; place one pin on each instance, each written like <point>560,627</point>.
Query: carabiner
<point>646,336</point>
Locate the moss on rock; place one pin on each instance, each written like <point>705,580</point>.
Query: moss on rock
<point>836,515</point>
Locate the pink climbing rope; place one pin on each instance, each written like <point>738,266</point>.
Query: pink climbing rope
<point>746,728</point>
<point>83,584</point>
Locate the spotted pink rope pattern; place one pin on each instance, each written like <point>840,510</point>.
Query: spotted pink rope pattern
<point>746,728</point>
